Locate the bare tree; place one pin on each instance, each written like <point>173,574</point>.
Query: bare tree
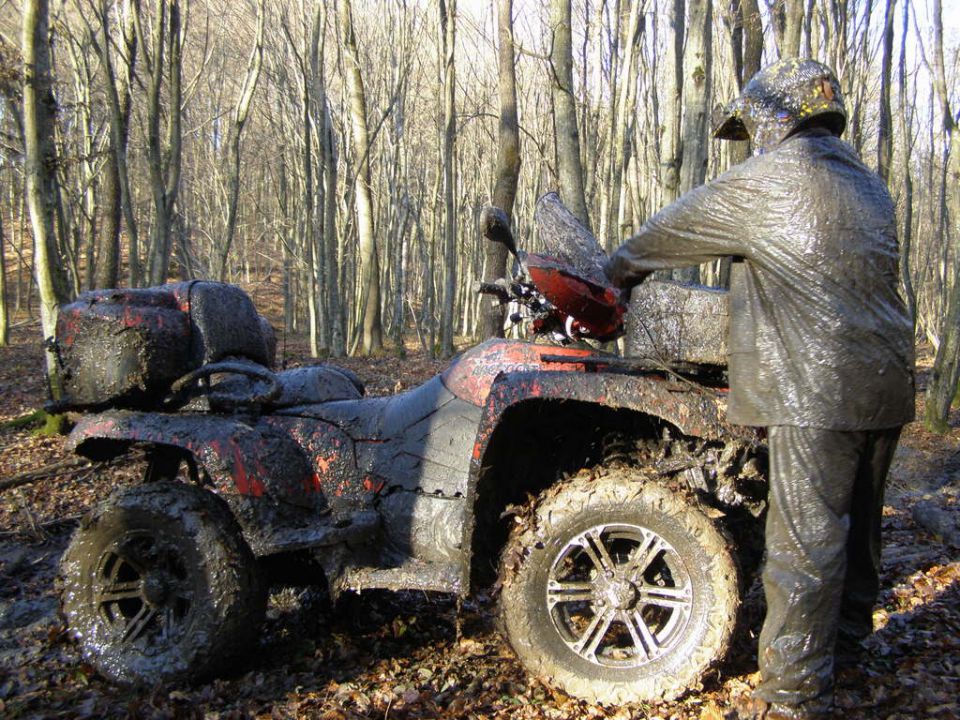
<point>789,13</point>
<point>697,91</point>
<point>508,159</point>
<point>569,168</point>
<point>906,171</point>
<point>945,376</point>
<point>671,146</point>
<point>4,314</point>
<point>239,120</point>
<point>448,29</point>
<point>116,192</point>
<point>372,340</point>
<point>163,154</point>
<point>40,160</point>
<point>885,123</point>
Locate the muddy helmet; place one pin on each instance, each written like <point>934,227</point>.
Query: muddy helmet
<point>781,98</point>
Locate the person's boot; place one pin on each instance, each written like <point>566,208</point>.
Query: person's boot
<point>848,652</point>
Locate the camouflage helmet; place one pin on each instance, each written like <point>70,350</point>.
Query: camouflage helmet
<point>779,99</point>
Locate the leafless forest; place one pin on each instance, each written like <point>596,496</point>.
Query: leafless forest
<point>339,152</point>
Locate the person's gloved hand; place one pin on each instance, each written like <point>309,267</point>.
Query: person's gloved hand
<point>619,276</point>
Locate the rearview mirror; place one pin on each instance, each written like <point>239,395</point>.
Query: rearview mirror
<point>495,226</point>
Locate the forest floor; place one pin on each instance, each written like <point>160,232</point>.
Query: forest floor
<point>412,655</point>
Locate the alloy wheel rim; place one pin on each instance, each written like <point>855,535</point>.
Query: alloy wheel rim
<point>142,593</point>
<point>619,595</point>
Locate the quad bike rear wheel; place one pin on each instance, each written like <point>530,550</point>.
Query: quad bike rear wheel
<point>617,589</point>
<point>159,585</point>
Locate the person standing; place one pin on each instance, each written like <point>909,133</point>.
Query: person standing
<point>821,354</point>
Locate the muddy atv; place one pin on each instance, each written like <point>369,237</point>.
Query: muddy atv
<point>598,493</point>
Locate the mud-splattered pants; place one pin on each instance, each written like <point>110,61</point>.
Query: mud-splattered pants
<point>823,555</point>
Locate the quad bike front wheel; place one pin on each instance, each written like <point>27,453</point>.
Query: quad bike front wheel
<point>618,590</point>
<point>159,585</point>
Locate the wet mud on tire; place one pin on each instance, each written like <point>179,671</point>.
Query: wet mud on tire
<point>617,589</point>
<point>158,585</point>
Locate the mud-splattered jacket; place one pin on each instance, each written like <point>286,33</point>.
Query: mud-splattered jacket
<point>819,335</point>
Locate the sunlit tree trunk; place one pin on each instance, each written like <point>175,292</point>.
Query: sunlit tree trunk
<point>885,122</point>
<point>39,111</point>
<point>792,28</point>
<point>163,153</point>
<point>569,168</point>
<point>508,161</point>
<point>240,114</point>
<point>671,147</point>
<point>625,112</point>
<point>697,91</point>
<point>945,376</point>
<point>448,22</point>
<point>116,193</point>
<point>369,299</point>
<point>4,313</point>
<point>906,130</point>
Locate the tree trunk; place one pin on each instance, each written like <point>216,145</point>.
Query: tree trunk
<point>749,53</point>
<point>885,123</point>
<point>569,169</point>
<point>792,28</point>
<point>241,112</point>
<point>372,340</point>
<point>508,163</point>
<point>4,314</point>
<point>945,376</point>
<point>697,90</point>
<point>448,28</point>
<point>116,187</point>
<point>671,149</point>
<point>906,133</point>
<point>40,161</point>
<point>163,154</point>
<point>332,264</point>
<point>625,112</point>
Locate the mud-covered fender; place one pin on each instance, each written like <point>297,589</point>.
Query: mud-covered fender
<point>694,410</point>
<point>245,458</point>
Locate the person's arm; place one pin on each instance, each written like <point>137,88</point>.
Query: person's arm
<point>705,223</point>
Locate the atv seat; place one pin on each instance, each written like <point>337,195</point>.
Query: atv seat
<point>317,384</point>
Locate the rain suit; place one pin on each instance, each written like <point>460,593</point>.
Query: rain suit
<point>821,352</point>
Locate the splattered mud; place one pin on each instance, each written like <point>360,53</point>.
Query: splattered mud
<point>412,655</point>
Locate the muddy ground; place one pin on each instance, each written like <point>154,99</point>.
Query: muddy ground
<point>413,655</point>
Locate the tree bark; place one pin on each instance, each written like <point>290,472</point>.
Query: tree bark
<point>748,55</point>
<point>945,376</point>
<point>792,28</point>
<point>697,91</point>
<point>625,112</point>
<point>448,29</point>
<point>116,183</point>
<point>906,119</point>
<point>4,314</point>
<point>508,162</point>
<point>328,145</point>
<point>163,154</point>
<point>40,161</point>
<point>885,123</point>
<point>372,340</point>
<point>241,112</point>
<point>569,168</point>
<point>671,148</point>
